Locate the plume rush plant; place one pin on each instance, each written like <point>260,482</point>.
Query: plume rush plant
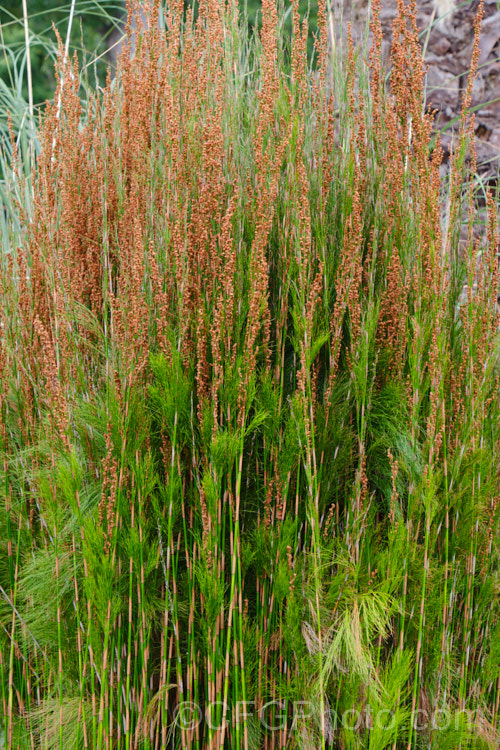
<point>250,439</point>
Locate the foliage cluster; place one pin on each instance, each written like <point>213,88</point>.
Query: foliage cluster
<point>91,25</point>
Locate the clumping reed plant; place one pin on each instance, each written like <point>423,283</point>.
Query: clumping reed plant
<point>249,425</point>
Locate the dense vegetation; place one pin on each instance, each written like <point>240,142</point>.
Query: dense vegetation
<point>91,28</point>
<point>249,417</point>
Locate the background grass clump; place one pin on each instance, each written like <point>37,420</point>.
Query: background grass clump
<point>249,419</point>
<point>90,24</point>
